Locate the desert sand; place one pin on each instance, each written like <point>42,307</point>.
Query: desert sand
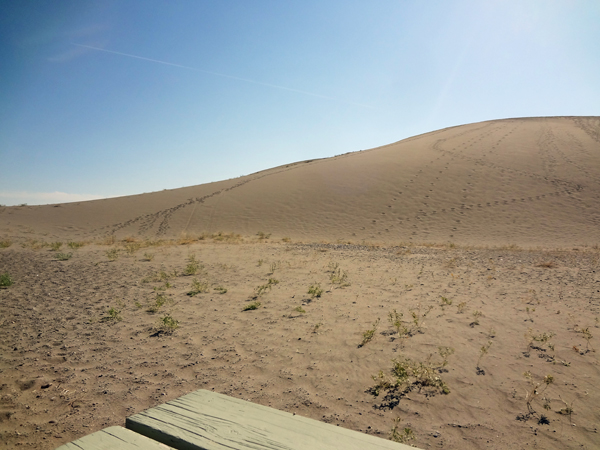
<point>468,258</point>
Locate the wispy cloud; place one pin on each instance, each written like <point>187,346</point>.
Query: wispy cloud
<point>68,55</point>
<point>223,75</point>
<point>11,198</point>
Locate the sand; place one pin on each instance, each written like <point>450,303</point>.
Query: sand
<point>487,233</point>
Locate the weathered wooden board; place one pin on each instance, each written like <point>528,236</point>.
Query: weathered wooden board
<point>117,438</point>
<point>209,421</point>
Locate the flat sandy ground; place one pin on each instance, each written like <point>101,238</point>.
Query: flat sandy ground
<point>68,368</point>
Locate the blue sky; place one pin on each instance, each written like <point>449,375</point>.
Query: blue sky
<point>109,98</point>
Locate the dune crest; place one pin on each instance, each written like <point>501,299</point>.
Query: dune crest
<point>529,181</point>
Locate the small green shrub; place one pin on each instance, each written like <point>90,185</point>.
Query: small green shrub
<point>55,246</point>
<point>403,436</point>
<point>114,315</point>
<point>369,334</point>
<point>300,309</point>
<point>339,277</point>
<point>263,236</point>
<point>315,290</point>
<point>476,316</point>
<point>418,318</point>
<point>148,256</point>
<point>193,266</point>
<point>168,324</point>
<point>482,352</point>
<point>406,376</point>
<point>159,302</point>
<point>5,280</point>
<point>265,287</point>
<point>5,243</point>
<point>112,254</point>
<point>445,301</point>
<point>63,256</point>
<point>534,392</point>
<point>221,290</point>
<point>75,244</point>
<point>198,287</point>
<point>444,353</point>
<point>251,306</point>
<point>395,319</point>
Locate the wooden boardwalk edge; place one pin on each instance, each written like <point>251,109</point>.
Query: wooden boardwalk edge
<point>204,420</point>
<point>114,438</point>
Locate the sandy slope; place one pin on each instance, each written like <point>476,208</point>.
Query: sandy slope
<point>530,182</point>
<point>67,369</point>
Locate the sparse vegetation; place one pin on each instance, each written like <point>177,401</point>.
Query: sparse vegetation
<point>402,436</point>
<point>159,276</point>
<point>112,254</point>
<point>534,392</point>
<point>476,316</point>
<point>482,352</point>
<point>193,266</point>
<point>419,318</point>
<point>395,319</point>
<point>148,256</point>
<point>5,280</point>
<point>538,341</point>
<point>5,243</point>
<point>63,256</point>
<point>407,375</point>
<point>164,287</point>
<point>168,324</point>
<point>74,245</point>
<point>220,290</point>
<point>315,290</point>
<point>260,290</point>
<point>529,310</point>
<point>460,308</point>
<point>113,315</point>
<point>159,302</point>
<point>369,334</point>
<point>445,352</point>
<point>251,306</point>
<point>445,301</point>
<point>567,410</point>
<point>339,277</point>
<point>273,267</point>
<point>300,309</point>
<point>587,335</point>
<point>55,246</point>
<point>198,287</point>
<point>262,236</point>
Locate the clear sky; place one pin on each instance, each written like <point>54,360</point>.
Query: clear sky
<point>109,98</point>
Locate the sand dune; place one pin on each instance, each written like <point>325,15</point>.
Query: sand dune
<point>532,182</point>
<point>480,242</point>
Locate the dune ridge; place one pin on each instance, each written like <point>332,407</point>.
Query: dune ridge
<point>530,181</point>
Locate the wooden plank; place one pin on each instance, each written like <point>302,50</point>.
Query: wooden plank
<point>205,420</point>
<point>117,438</point>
